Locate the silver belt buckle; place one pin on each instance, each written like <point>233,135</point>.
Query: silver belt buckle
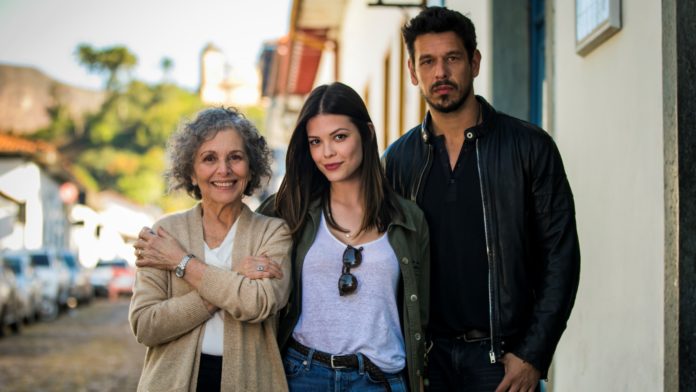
<point>336,366</point>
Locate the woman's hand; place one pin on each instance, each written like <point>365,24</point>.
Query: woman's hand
<point>211,308</point>
<point>158,250</point>
<point>258,267</point>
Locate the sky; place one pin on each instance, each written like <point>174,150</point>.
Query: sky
<point>45,33</point>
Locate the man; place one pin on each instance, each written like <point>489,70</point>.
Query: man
<point>505,256</point>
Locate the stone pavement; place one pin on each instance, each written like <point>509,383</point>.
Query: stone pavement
<point>90,348</point>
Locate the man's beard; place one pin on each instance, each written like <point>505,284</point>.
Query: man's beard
<point>449,106</point>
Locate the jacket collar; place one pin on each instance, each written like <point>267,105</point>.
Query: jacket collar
<point>480,130</point>
<point>400,219</point>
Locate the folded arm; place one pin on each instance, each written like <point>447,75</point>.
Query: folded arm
<point>157,319</point>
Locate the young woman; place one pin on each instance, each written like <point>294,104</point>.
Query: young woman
<point>358,309</point>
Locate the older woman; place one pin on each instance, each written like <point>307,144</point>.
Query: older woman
<point>212,278</point>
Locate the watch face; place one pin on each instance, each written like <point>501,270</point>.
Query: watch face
<point>179,272</point>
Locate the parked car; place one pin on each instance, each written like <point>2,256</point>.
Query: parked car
<point>9,305</point>
<point>55,281</point>
<point>80,287</point>
<point>104,273</point>
<point>122,282</point>
<point>28,284</point>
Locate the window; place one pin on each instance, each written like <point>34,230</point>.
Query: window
<point>595,22</point>
<point>537,66</point>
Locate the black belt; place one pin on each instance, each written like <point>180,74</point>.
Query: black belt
<point>473,335</point>
<point>343,362</point>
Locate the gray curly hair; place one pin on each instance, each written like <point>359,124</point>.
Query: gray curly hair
<point>183,145</point>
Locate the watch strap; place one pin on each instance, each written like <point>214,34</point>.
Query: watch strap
<point>181,268</point>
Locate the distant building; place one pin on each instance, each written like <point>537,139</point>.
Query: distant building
<point>36,192</point>
<point>223,85</point>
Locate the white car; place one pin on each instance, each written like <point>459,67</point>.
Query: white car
<point>55,281</point>
<point>80,288</point>
<point>29,289</point>
<point>9,306</point>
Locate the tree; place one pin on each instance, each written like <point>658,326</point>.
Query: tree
<point>122,146</point>
<point>111,60</point>
<point>166,64</point>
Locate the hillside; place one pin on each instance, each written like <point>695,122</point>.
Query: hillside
<point>26,94</point>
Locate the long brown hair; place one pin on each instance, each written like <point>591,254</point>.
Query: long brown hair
<point>304,183</point>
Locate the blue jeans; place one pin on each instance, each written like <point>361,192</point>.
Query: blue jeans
<point>456,365</point>
<point>304,374</point>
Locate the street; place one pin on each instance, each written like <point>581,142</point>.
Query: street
<point>90,348</point>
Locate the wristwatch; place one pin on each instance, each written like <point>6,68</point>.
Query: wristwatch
<point>181,268</point>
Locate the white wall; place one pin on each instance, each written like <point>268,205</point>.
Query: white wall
<point>479,11</point>
<point>369,34</point>
<point>46,225</point>
<point>608,126</point>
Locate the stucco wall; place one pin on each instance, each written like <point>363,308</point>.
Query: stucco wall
<point>480,13</point>
<point>608,126</point>
<point>370,34</point>
<point>45,224</point>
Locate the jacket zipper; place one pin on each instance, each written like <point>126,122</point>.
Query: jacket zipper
<point>414,195</point>
<point>491,265</point>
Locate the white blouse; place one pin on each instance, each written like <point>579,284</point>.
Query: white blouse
<point>220,257</point>
<point>365,321</point>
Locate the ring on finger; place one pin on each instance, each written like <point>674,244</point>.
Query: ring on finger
<point>260,268</point>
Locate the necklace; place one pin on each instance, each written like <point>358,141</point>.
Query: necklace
<point>347,234</point>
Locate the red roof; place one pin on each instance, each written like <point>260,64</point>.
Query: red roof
<point>42,153</point>
<point>10,144</point>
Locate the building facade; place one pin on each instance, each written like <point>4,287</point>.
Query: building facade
<point>611,81</point>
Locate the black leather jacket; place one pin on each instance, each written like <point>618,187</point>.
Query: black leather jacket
<point>529,221</point>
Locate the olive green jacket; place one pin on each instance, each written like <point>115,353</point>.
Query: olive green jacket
<point>409,238</point>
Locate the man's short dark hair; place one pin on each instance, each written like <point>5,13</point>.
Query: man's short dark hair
<point>440,20</point>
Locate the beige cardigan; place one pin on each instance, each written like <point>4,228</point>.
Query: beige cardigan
<point>168,316</point>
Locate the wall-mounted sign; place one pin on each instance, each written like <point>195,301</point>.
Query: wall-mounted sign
<point>595,22</point>
<point>396,3</point>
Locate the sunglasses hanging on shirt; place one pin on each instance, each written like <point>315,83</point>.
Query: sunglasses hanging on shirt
<point>348,283</point>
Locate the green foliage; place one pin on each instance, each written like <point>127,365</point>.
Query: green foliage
<point>145,186</point>
<point>122,146</point>
<point>176,201</point>
<point>125,141</point>
<point>63,127</point>
<point>85,178</point>
<point>110,61</point>
<point>257,115</point>
<point>166,64</point>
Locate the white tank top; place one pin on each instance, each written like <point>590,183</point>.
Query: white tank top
<point>220,257</point>
<point>366,321</point>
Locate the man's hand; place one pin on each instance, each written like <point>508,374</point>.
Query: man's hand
<point>520,376</point>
